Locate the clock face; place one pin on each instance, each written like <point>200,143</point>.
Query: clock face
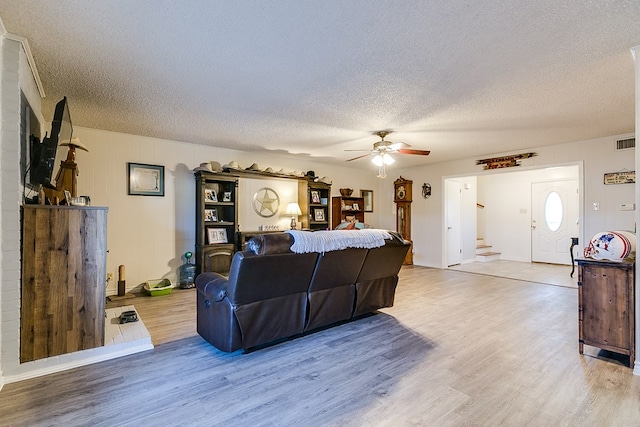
<point>401,192</point>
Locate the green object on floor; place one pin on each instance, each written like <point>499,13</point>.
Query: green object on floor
<point>158,287</point>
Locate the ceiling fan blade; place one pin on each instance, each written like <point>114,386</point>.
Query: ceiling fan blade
<point>411,151</point>
<point>359,157</point>
<point>357,150</point>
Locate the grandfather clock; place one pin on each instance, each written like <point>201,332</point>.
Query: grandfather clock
<point>403,198</point>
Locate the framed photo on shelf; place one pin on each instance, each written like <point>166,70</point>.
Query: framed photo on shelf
<point>210,195</point>
<point>145,180</point>
<point>356,207</point>
<point>210,215</point>
<point>318,214</point>
<point>315,196</point>
<point>368,200</point>
<point>226,196</point>
<point>216,235</point>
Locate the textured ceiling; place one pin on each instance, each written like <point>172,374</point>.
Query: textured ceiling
<point>313,78</point>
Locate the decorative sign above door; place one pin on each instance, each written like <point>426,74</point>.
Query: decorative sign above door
<point>504,161</point>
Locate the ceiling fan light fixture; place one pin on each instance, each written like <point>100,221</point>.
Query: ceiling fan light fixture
<point>382,159</point>
<point>382,172</point>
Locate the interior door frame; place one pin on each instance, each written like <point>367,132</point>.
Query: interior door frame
<point>458,225</point>
<point>581,202</point>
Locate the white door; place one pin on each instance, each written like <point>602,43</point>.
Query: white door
<point>454,237</point>
<point>554,220</point>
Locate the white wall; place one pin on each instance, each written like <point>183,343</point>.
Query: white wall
<point>636,56</point>
<point>248,219</point>
<point>598,156</point>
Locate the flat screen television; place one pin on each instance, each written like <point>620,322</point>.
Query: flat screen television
<point>44,154</point>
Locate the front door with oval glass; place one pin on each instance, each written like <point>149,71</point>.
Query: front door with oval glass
<point>554,220</point>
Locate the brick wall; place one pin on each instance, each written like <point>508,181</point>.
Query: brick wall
<point>9,203</point>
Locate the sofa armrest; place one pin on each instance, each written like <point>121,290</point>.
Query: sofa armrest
<point>212,285</point>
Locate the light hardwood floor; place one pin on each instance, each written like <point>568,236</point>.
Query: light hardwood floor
<point>456,349</point>
<point>551,274</point>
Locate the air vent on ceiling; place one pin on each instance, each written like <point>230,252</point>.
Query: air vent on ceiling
<point>625,144</point>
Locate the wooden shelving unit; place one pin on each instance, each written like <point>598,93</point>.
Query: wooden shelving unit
<point>216,221</point>
<point>343,207</point>
<point>314,204</point>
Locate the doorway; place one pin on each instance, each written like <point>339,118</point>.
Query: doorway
<point>554,220</point>
<point>453,208</point>
<point>498,207</point>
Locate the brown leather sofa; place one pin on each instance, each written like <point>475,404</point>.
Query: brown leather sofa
<point>272,293</point>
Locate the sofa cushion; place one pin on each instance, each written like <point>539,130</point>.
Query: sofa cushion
<point>270,244</point>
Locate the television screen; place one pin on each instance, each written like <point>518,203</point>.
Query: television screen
<point>43,161</point>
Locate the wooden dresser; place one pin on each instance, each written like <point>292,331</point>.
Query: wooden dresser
<point>606,312</point>
<point>63,280</point>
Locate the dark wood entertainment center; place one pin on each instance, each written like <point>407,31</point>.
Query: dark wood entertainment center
<point>217,216</point>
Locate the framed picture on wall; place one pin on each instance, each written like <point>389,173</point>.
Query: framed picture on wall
<point>145,180</point>
<point>368,200</point>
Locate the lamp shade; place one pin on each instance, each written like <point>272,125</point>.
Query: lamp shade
<point>293,209</point>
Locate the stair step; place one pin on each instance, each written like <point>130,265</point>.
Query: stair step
<point>483,246</point>
<point>488,256</point>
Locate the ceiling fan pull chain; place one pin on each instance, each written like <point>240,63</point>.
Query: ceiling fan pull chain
<point>382,172</point>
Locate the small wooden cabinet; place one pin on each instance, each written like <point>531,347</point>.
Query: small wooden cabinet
<point>313,198</point>
<point>343,208</point>
<point>63,280</point>
<point>606,312</point>
<point>216,221</point>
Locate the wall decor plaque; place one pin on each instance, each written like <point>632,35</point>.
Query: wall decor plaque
<point>504,161</point>
<point>627,177</point>
<point>266,202</point>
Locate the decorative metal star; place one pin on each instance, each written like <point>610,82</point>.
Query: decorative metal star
<point>266,199</point>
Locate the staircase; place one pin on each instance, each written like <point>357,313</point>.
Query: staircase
<point>484,252</point>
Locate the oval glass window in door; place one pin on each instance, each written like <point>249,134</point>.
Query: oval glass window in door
<point>553,211</point>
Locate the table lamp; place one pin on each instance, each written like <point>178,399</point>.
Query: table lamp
<point>293,209</point>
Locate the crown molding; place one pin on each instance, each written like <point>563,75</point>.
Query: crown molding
<point>27,50</point>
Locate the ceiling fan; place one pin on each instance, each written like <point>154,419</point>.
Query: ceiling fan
<point>382,150</point>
